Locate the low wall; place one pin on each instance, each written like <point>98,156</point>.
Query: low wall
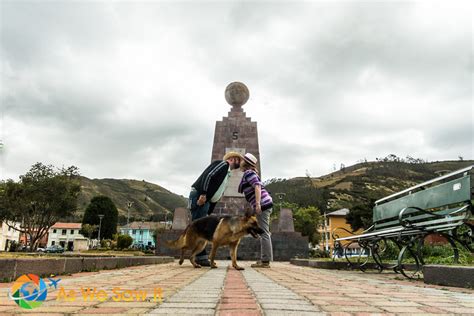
<point>286,245</point>
<point>459,276</point>
<point>11,269</point>
<point>339,265</point>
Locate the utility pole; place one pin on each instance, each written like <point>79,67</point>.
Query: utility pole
<point>100,224</point>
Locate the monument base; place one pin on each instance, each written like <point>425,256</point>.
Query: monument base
<point>286,245</point>
<point>232,206</point>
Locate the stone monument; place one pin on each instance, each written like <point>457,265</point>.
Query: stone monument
<point>181,218</point>
<point>286,223</point>
<point>236,132</point>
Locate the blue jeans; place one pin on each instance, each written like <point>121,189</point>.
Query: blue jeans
<point>198,212</point>
<point>266,249</point>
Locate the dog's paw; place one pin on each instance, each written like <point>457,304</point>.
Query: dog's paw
<point>214,267</point>
<point>181,261</point>
<point>238,268</point>
<point>197,266</point>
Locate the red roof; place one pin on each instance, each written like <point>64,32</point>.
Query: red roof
<point>67,225</point>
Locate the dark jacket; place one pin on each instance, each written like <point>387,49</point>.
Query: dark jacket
<point>211,179</point>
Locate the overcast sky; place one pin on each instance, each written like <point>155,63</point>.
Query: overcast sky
<point>133,90</point>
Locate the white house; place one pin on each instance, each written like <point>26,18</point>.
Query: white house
<point>67,235</point>
<point>8,235</point>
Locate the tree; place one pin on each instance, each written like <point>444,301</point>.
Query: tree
<point>307,220</point>
<point>360,215</point>
<point>43,195</point>
<point>124,241</point>
<point>87,230</point>
<point>102,205</point>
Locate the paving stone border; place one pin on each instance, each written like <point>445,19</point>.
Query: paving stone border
<point>459,276</point>
<point>11,269</point>
<point>197,298</point>
<point>275,299</point>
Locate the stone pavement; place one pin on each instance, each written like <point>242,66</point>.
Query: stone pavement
<point>282,290</point>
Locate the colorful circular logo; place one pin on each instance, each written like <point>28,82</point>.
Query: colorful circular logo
<point>29,291</point>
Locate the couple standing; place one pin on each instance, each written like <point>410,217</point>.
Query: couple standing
<point>210,186</point>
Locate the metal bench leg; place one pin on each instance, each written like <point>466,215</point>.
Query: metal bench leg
<point>363,260</point>
<point>376,251</point>
<point>464,235</point>
<point>408,251</point>
<point>349,262</point>
<point>382,247</point>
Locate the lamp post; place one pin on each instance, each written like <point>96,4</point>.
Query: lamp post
<point>166,219</point>
<point>140,232</point>
<point>280,198</point>
<point>129,205</point>
<point>100,224</point>
<point>325,229</point>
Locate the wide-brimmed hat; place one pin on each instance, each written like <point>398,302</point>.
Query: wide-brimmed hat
<point>232,154</point>
<point>250,159</point>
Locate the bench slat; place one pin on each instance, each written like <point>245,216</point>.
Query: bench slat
<point>395,222</point>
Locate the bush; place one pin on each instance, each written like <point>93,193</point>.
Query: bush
<point>124,241</point>
<point>106,243</point>
<point>318,253</point>
<point>390,250</point>
<point>444,254</point>
<point>15,246</point>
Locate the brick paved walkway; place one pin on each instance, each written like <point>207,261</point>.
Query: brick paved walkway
<point>282,290</point>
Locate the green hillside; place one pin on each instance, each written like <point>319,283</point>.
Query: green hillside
<point>150,201</point>
<point>358,186</point>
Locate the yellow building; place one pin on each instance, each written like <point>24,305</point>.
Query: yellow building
<point>335,222</point>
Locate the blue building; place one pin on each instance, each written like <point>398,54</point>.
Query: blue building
<point>141,232</point>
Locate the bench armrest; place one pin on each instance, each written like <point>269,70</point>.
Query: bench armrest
<point>335,235</point>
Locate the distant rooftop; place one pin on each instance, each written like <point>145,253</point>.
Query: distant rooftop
<point>143,225</point>
<point>67,225</point>
<point>341,212</point>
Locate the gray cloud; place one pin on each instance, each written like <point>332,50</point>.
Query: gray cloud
<point>133,90</point>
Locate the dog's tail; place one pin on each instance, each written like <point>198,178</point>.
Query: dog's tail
<point>178,243</point>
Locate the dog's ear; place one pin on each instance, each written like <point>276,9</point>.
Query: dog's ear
<point>248,213</point>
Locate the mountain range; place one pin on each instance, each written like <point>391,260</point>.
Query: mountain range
<point>360,184</point>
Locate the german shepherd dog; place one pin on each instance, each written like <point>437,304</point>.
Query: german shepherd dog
<point>221,231</point>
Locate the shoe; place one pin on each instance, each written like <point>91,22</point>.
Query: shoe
<point>260,264</point>
<point>204,263</point>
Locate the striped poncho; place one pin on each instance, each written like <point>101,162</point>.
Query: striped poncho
<point>247,186</point>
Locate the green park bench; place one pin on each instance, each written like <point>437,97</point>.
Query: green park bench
<point>440,206</point>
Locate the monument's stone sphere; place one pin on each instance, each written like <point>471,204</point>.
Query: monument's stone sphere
<point>236,94</point>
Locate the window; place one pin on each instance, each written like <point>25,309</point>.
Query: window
<point>149,243</point>
<point>72,231</point>
<point>53,242</point>
<point>141,232</point>
<point>134,231</point>
<point>64,232</point>
<point>54,231</point>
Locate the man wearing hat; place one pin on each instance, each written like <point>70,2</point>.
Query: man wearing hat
<point>208,189</point>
